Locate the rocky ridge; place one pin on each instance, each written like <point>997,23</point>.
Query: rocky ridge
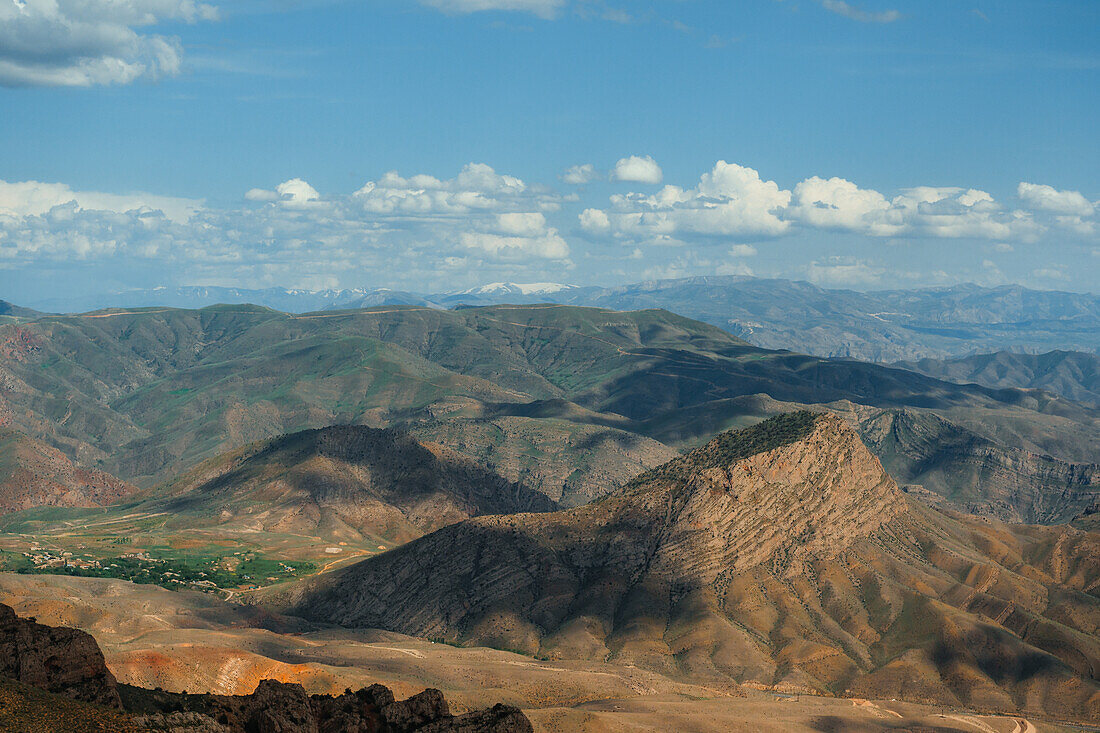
<point>783,556</point>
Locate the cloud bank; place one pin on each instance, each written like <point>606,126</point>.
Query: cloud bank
<point>77,43</point>
<point>424,232</point>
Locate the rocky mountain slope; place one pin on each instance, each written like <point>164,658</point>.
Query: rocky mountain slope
<point>342,483</point>
<point>33,474</point>
<point>69,663</point>
<point>1071,374</point>
<point>975,474</point>
<point>781,555</point>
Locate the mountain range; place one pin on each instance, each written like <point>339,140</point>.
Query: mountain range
<point>572,401</point>
<point>883,326</point>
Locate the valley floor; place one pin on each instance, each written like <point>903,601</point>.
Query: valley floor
<point>186,640</point>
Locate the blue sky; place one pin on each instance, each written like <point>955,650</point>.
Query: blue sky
<point>426,145</point>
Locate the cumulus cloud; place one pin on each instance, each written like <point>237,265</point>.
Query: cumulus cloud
<point>637,169</point>
<point>541,8</point>
<point>545,246</point>
<point>1050,273</point>
<point>863,16</point>
<point>837,203</point>
<point>414,228</point>
<point>80,43</point>
<point>730,201</point>
<point>34,198</point>
<point>1048,198</point>
<point>595,221</point>
<point>840,204</point>
<point>579,175</point>
<point>476,188</point>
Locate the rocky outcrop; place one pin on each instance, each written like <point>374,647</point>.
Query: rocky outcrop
<point>781,556</point>
<point>60,660</point>
<point>277,707</point>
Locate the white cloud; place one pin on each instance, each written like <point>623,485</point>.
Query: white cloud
<point>734,268</point>
<point>541,8</point>
<point>421,230</point>
<point>594,220</point>
<point>863,16</point>
<point>637,169</point>
<point>522,224</point>
<point>1050,273</point>
<point>1048,198</point>
<point>730,201</point>
<point>839,204</point>
<point>81,43</point>
<point>476,188</point>
<point>579,175</point>
<point>33,198</point>
<point>923,211</point>
<point>955,212</point>
<point>294,193</point>
<point>742,250</point>
<point>546,246</point>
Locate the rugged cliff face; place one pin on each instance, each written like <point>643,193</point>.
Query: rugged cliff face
<point>975,474</point>
<point>60,660</point>
<point>782,555</point>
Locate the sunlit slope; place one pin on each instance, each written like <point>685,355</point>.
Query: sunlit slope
<point>781,555</point>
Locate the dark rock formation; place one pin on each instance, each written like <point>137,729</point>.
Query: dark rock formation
<point>65,661</point>
<point>69,662</point>
<point>277,707</point>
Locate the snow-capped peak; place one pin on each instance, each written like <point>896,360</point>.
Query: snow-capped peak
<point>517,288</point>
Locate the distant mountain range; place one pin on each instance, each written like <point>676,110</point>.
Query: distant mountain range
<point>882,326</point>
<point>1072,374</point>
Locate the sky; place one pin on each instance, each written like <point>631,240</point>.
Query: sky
<point>432,145</point>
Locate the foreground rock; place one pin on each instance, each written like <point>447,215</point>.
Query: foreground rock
<point>69,663</point>
<point>276,707</point>
<point>65,661</point>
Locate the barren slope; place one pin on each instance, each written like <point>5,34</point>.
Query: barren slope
<point>781,555</point>
<point>344,482</point>
<point>33,474</point>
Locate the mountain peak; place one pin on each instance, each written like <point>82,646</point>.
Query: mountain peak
<point>796,486</point>
<point>510,288</point>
